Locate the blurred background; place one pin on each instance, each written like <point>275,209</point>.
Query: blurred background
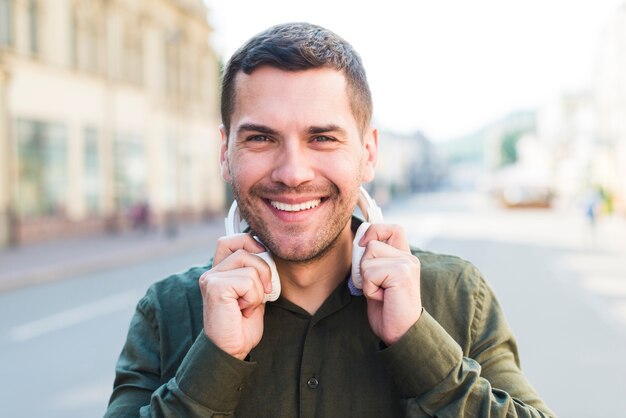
<point>502,140</point>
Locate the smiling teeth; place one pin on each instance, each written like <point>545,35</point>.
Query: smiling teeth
<point>295,208</point>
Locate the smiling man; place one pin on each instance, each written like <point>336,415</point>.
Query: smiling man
<point>425,335</point>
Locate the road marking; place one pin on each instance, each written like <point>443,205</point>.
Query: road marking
<point>88,395</point>
<point>73,316</point>
<point>619,310</point>
<point>606,286</point>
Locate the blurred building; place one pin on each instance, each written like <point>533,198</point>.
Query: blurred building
<point>406,164</point>
<point>567,126</point>
<point>610,106</point>
<point>586,130</point>
<point>501,137</point>
<point>519,161</point>
<point>105,105</point>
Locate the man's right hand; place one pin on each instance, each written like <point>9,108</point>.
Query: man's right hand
<point>232,295</point>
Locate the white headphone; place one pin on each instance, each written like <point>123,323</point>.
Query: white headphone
<point>235,224</point>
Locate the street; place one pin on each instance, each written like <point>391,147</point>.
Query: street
<point>561,284</point>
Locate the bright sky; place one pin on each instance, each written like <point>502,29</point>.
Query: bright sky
<point>445,67</point>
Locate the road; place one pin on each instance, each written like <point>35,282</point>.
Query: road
<point>564,297</point>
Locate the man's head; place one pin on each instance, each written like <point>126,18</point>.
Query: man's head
<point>297,47</point>
<point>294,149</point>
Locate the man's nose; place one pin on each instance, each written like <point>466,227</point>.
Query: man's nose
<point>293,166</point>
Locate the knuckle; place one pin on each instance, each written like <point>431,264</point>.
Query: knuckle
<point>207,285</point>
<point>223,241</point>
<point>240,253</point>
<point>251,275</point>
<point>411,266</point>
<point>374,245</point>
<point>204,278</point>
<point>365,274</point>
<point>406,269</point>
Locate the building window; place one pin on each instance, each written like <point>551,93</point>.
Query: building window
<point>129,171</point>
<point>42,168</point>
<point>132,47</point>
<point>6,22</point>
<point>92,185</point>
<point>173,41</point>
<point>33,26</point>
<point>86,35</point>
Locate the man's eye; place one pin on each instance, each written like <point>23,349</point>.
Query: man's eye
<point>258,138</point>
<point>323,138</point>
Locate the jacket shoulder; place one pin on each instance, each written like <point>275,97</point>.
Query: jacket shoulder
<point>453,291</point>
<point>447,271</point>
<point>177,294</point>
<point>173,308</point>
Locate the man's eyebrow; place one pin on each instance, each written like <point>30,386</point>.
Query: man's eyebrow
<point>324,129</point>
<point>253,127</point>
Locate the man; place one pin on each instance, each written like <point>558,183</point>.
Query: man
<point>425,337</point>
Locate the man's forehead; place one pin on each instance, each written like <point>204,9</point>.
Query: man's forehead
<point>292,102</point>
<point>244,80</point>
<point>321,85</point>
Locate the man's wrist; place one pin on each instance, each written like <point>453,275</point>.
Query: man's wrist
<point>422,357</point>
<point>213,377</point>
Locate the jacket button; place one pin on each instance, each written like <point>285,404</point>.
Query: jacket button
<point>313,383</point>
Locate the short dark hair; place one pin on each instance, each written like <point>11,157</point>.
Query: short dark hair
<point>298,47</point>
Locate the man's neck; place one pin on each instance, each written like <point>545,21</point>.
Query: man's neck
<point>308,285</point>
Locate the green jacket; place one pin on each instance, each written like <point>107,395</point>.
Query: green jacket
<point>458,360</point>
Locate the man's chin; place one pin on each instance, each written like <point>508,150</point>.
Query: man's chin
<point>300,251</point>
<point>300,257</point>
<point>295,253</point>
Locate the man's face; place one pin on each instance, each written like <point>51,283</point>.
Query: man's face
<point>295,158</point>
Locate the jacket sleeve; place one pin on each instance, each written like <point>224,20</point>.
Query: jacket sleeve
<point>437,379</point>
<point>208,382</point>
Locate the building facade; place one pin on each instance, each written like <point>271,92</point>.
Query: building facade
<point>416,168</point>
<point>610,105</point>
<point>104,105</point>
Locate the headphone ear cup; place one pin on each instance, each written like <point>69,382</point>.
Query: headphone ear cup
<point>232,222</point>
<point>275,293</point>
<point>371,211</point>
<point>372,214</point>
<point>357,255</point>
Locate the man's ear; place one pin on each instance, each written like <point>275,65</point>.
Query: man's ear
<point>370,154</point>
<point>224,155</point>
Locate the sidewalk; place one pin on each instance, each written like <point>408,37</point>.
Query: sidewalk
<point>59,259</point>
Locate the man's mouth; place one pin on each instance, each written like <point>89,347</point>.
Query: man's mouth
<point>296,207</point>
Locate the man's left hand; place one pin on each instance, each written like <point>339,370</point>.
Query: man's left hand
<point>391,282</point>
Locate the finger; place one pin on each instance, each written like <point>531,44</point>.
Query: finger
<point>242,286</point>
<point>379,249</point>
<point>252,298</point>
<point>229,244</point>
<point>388,233</point>
<point>248,312</point>
<point>374,273</point>
<point>372,291</point>
<point>383,273</point>
<point>242,258</point>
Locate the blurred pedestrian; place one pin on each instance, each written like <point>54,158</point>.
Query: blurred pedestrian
<point>140,216</point>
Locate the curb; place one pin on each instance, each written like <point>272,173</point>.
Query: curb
<point>122,257</point>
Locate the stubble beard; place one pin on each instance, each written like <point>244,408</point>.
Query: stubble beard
<point>320,244</point>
